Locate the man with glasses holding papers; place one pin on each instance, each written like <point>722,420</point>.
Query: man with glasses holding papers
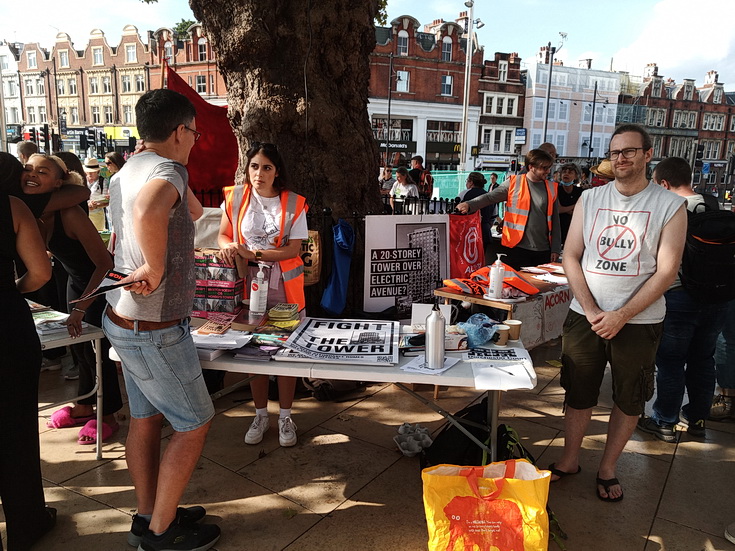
<point>623,251</point>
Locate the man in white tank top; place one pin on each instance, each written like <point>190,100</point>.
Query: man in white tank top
<point>622,252</point>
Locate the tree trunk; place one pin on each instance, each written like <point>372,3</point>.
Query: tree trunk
<point>297,75</point>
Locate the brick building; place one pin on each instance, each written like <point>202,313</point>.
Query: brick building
<point>419,76</point>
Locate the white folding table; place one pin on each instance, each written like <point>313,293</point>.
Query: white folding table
<point>91,333</point>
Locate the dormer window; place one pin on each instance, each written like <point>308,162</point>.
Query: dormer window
<point>402,43</point>
<point>446,49</point>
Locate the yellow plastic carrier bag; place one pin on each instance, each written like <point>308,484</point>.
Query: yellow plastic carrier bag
<point>498,507</point>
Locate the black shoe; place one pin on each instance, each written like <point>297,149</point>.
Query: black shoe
<point>181,537</point>
<point>696,429</point>
<point>186,515</point>
<point>663,432</point>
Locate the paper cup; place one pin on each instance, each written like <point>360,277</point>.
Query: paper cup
<point>502,331</point>
<point>515,329</point>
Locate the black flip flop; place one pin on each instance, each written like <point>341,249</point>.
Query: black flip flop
<point>607,484</point>
<point>562,474</point>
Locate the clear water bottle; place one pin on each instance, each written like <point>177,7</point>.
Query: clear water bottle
<point>435,330</point>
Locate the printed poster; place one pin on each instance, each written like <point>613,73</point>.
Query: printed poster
<point>406,259</point>
<point>347,341</point>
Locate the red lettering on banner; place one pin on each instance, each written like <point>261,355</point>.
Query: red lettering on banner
<point>560,297</point>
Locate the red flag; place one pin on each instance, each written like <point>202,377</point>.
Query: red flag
<point>466,253</point>
<point>213,160</point>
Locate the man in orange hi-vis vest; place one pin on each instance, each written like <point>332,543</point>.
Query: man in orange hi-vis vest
<point>531,231</point>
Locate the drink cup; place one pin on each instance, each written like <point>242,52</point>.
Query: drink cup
<point>515,329</point>
<point>502,331</point>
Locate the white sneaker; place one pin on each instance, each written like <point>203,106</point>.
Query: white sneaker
<point>257,429</point>
<point>286,432</point>
<point>50,365</point>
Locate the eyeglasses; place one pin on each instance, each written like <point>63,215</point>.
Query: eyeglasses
<point>197,134</point>
<point>627,153</point>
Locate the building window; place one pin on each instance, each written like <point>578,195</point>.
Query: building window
<point>732,123</point>
<point>717,95</point>
<point>31,57</point>
<point>563,111</point>
<point>560,140</point>
<point>535,140</point>
<point>12,92</point>
<point>202,84</point>
<point>402,81</point>
<point>64,58</point>
<point>95,115</point>
<point>446,85</point>
<point>497,141</point>
<point>32,115</point>
<point>402,43</point>
<point>538,109</point>
<point>14,119</point>
<point>73,86</point>
<point>3,62</point>
<point>128,114</point>
<point>587,116</point>
<point>510,108</point>
<point>552,110</point>
<point>692,120</point>
<point>202,49</point>
<point>488,105</point>
<point>446,49</point>
<point>139,83</point>
<point>487,135</point>
<point>168,50</point>
<point>508,134</point>
<point>131,53</point>
<point>502,71</point>
<point>93,85</point>
<point>126,85</point>
<point>108,114</point>
<point>610,110</point>
<point>29,88</point>
<point>656,93</point>
<point>211,83</point>
<point>688,92</point>
<point>75,115</point>
<point>97,58</point>
<point>40,86</point>
<point>499,106</point>
<point>660,117</point>
<point>106,86</point>
<point>42,114</point>
<point>61,87</point>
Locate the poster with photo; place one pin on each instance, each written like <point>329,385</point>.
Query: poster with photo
<point>347,341</point>
<point>406,258</point>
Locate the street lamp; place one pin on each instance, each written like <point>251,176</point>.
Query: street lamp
<point>592,124</point>
<point>552,51</point>
<point>467,70</point>
<point>390,95</point>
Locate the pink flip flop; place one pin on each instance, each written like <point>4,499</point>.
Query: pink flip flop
<point>90,431</point>
<point>62,419</point>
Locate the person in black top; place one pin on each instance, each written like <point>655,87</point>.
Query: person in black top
<point>476,187</point>
<point>21,489</point>
<point>74,241</point>
<point>569,194</point>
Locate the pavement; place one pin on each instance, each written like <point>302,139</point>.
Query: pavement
<point>346,486</point>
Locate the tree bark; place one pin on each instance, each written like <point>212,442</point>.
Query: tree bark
<point>297,75</point>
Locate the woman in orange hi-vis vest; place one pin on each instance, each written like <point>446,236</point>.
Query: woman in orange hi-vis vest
<point>264,222</point>
<point>531,230</point>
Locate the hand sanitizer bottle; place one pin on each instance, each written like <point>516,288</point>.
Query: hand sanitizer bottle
<point>497,274</point>
<point>435,330</point>
<point>259,291</point>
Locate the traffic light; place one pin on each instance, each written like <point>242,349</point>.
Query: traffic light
<point>32,135</point>
<point>513,166</point>
<point>700,151</point>
<point>83,143</point>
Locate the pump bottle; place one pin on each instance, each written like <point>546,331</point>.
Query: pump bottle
<point>259,291</point>
<point>435,330</point>
<point>497,274</point>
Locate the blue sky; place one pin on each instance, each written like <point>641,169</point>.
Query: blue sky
<point>685,39</point>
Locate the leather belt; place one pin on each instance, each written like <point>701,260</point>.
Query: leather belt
<point>142,325</point>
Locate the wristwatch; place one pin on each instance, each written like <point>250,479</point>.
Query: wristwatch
<point>258,255</point>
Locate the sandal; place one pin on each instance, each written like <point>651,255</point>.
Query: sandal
<point>62,419</point>
<point>562,474</point>
<point>88,434</point>
<point>607,484</point>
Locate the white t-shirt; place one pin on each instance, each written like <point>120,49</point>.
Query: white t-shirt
<point>261,224</point>
<point>399,190</point>
<point>621,239</point>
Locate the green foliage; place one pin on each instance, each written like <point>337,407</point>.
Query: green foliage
<point>382,17</point>
<point>181,28</point>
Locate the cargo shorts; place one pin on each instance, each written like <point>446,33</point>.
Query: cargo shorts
<point>631,355</point>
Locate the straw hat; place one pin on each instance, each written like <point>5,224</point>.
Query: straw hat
<point>604,169</point>
<point>91,165</point>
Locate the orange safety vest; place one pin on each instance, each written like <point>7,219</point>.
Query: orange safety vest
<point>517,207</point>
<point>292,205</point>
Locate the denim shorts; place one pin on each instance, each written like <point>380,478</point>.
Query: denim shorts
<point>631,355</point>
<point>162,374</point>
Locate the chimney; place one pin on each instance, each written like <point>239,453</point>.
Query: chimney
<point>585,63</point>
<point>651,70</point>
<point>711,77</point>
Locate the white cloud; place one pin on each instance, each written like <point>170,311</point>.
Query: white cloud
<point>685,40</point>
